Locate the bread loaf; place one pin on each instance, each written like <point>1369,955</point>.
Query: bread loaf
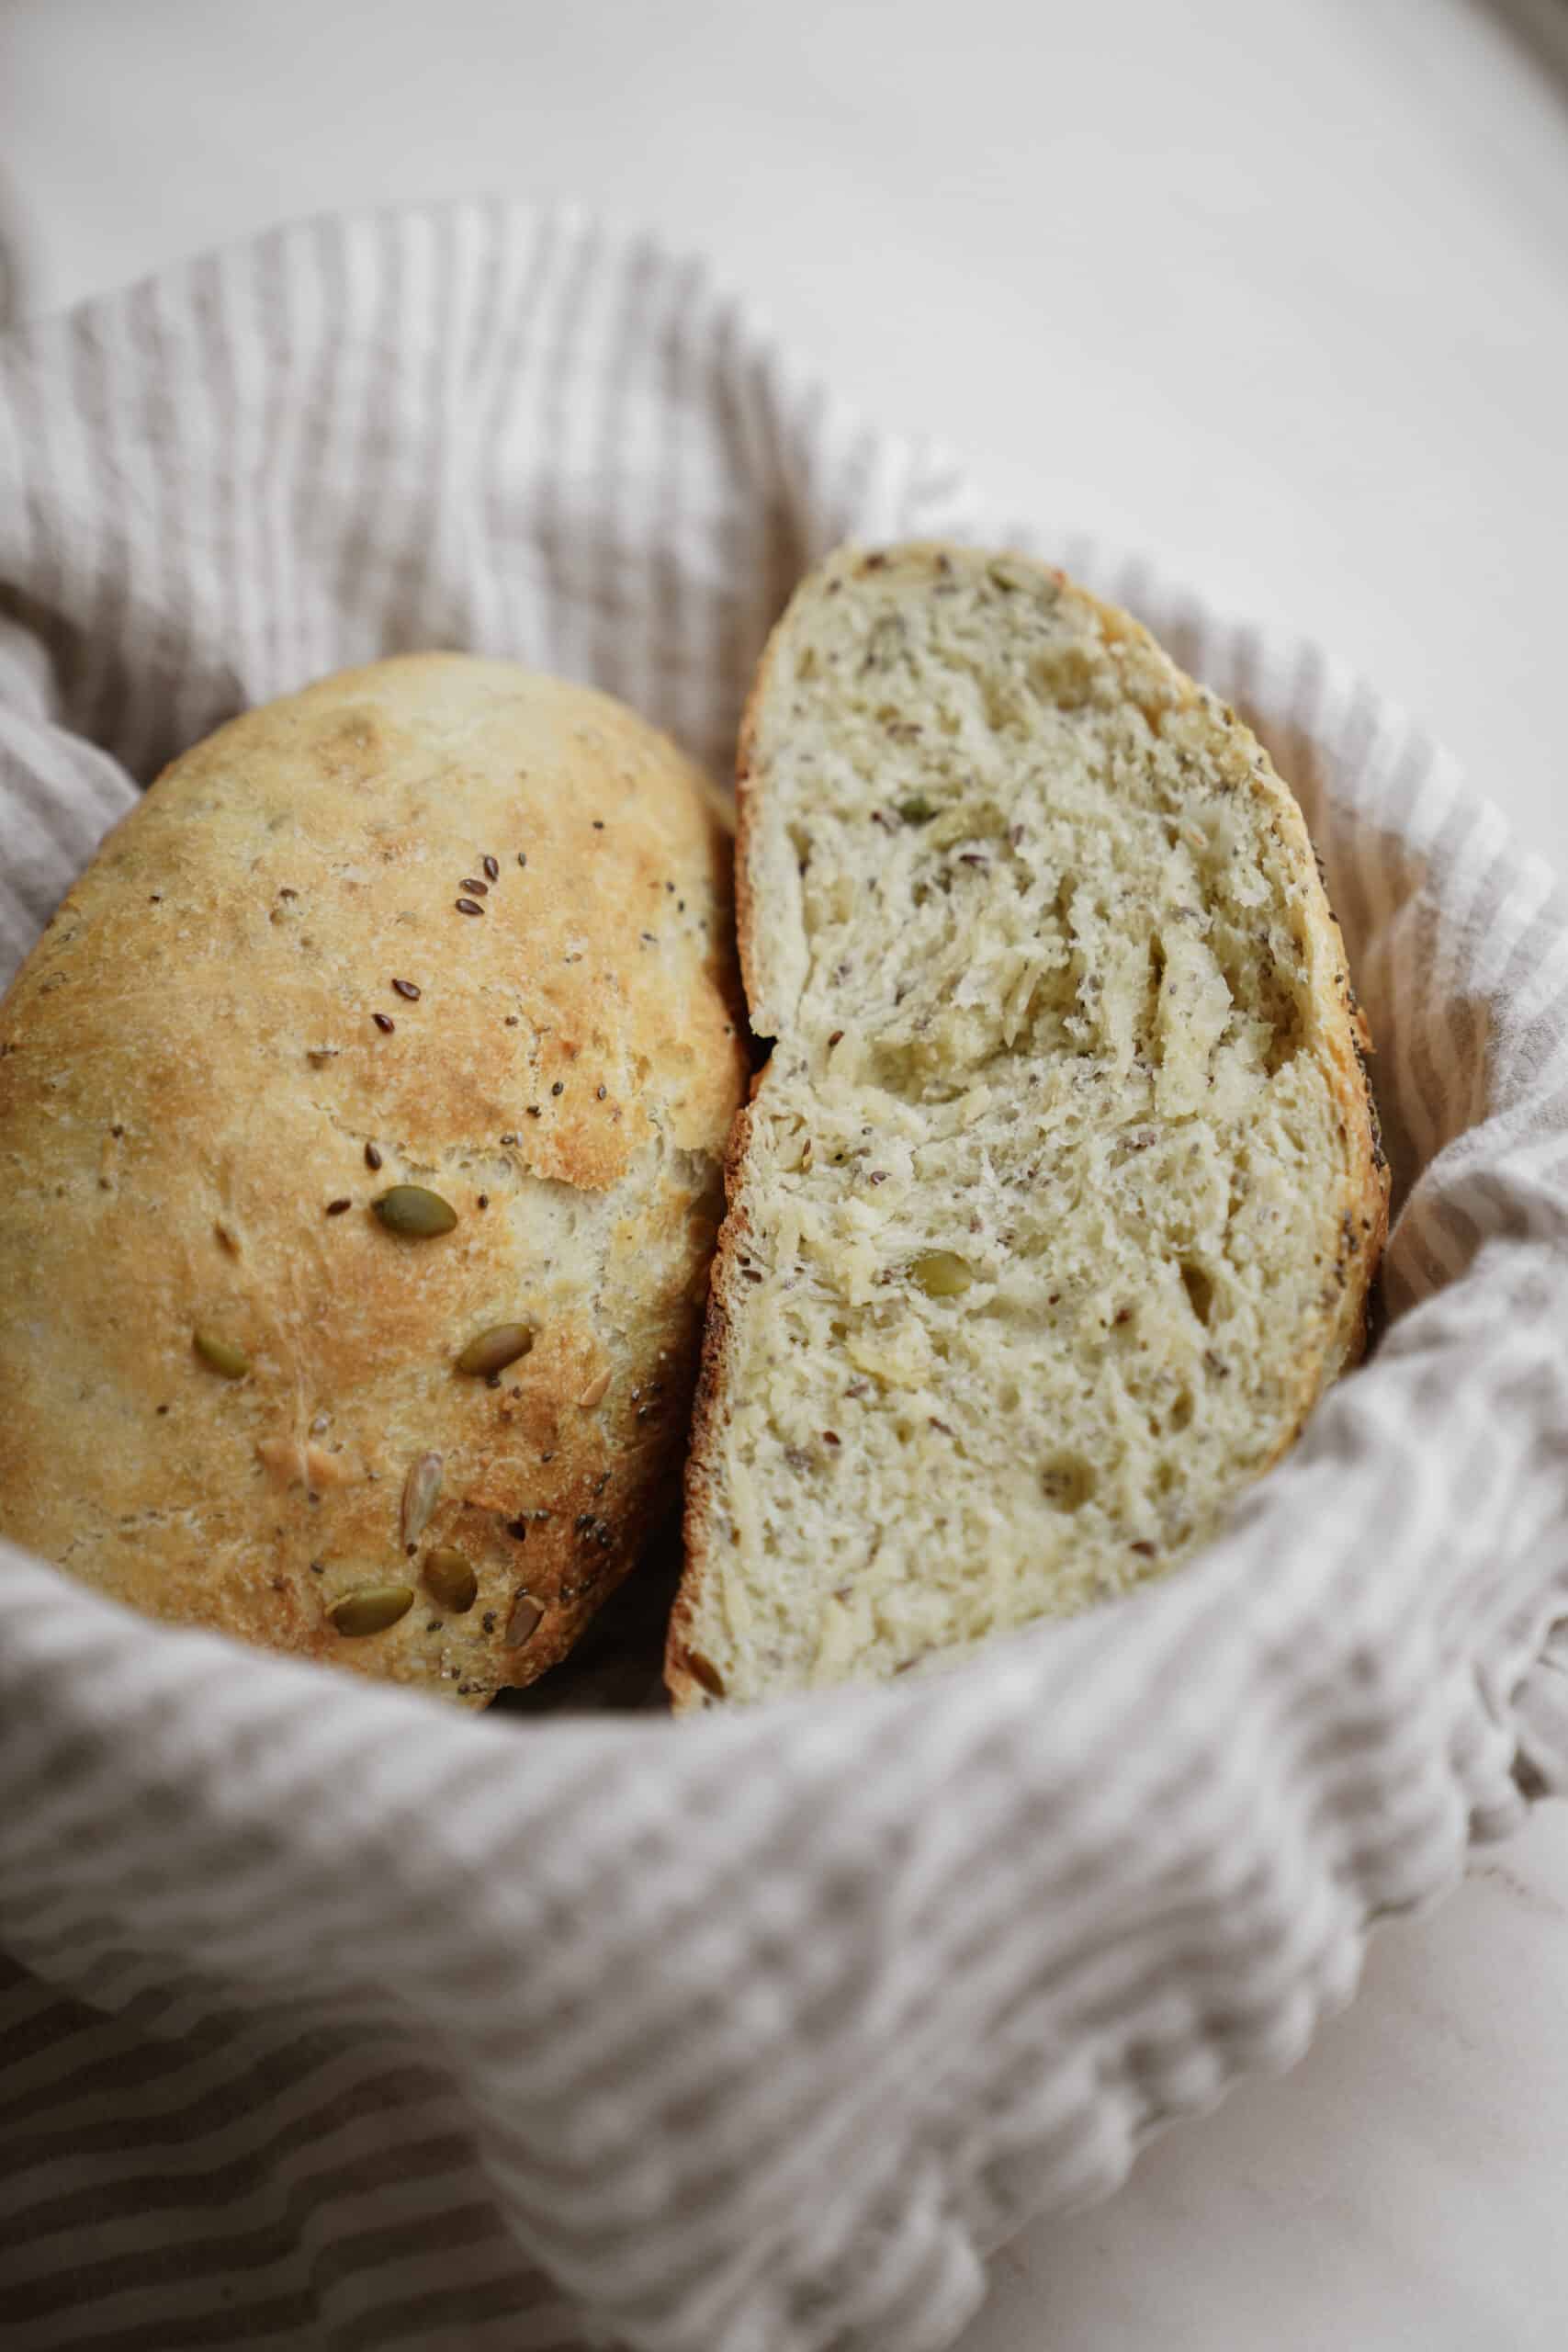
<point>1059,1199</point>
<point>362,1113</point>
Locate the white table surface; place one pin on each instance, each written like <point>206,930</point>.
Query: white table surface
<point>1276,289</point>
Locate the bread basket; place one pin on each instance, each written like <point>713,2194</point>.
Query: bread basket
<point>331,2018</point>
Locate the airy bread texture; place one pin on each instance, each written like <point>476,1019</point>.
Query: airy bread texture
<point>1058,1201</point>
<point>437,923</point>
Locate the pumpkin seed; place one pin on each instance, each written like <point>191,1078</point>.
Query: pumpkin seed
<point>232,1363</point>
<point>941,1274</point>
<point>494,1350</point>
<point>525,1621</point>
<point>410,1210</point>
<point>371,1609</point>
<point>419,1489</point>
<point>450,1578</point>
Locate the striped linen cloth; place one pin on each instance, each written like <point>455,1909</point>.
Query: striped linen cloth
<point>329,2018</point>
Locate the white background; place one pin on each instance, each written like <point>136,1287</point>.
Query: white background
<point>1275,289</point>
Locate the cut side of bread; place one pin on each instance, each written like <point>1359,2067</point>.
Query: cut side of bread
<point>1056,1205</point>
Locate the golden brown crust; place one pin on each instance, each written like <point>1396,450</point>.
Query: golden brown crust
<point>745,895</point>
<point>195,1063</point>
<point>1336,1339</point>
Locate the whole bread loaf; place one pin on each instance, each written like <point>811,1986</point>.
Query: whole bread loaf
<point>362,1113</point>
<point>1059,1199</point>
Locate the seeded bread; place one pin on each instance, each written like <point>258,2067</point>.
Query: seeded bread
<point>362,1113</point>
<point>1057,1204</point>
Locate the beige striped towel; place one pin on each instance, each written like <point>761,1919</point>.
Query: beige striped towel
<point>331,2019</point>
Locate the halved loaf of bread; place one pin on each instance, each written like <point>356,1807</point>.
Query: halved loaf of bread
<point>1056,1205</point>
